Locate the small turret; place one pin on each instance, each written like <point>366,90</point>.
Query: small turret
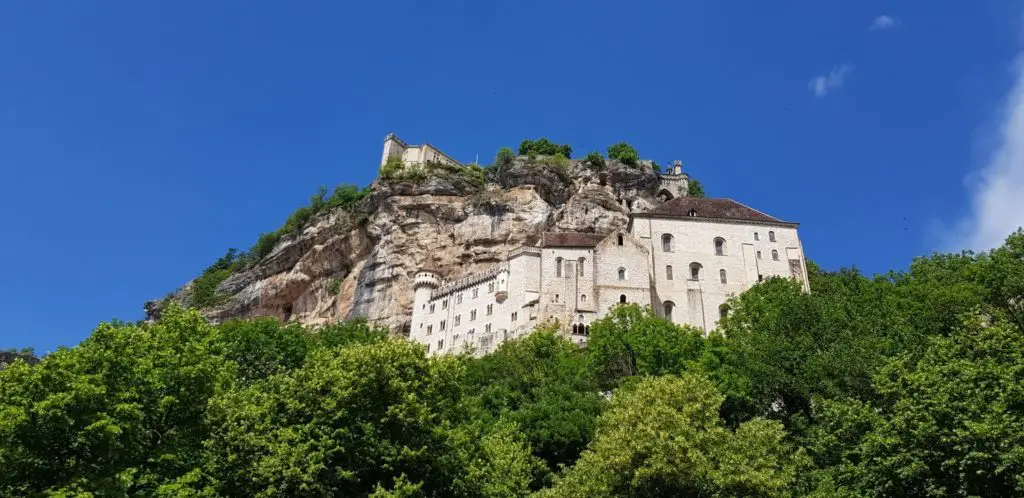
<point>425,282</point>
<point>677,167</point>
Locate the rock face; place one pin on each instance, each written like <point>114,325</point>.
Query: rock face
<point>359,263</point>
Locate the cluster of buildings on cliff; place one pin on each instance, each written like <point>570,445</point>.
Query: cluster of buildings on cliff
<point>685,258</point>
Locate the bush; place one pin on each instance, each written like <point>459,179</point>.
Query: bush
<point>624,153</point>
<point>391,168</point>
<point>544,147</point>
<point>334,286</point>
<point>504,157</point>
<point>695,189</point>
<point>596,160</point>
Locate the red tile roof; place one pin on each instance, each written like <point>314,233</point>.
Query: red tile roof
<point>571,239</point>
<point>701,207</point>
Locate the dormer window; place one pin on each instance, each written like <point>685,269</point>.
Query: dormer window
<point>692,213</point>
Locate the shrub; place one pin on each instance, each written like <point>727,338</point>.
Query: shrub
<point>624,153</point>
<point>544,147</point>
<point>391,168</point>
<point>334,286</point>
<point>695,189</point>
<point>596,160</point>
<point>504,157</point>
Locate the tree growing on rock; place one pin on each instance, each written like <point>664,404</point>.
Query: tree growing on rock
<point>544,147</point>
<point>624,153</point>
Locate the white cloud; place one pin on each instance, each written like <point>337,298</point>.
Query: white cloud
<point>997,189</point>
<point>820,86</point>
<point>884,22</point>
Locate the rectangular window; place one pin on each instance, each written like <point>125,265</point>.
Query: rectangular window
<point>515,316</point>
<point>490,309</point>
<point>458,320</point>
<point>430,329</point>
<point>431,308</point>
<point>476,293</point>
<point>444,304</point>
<point>443,323</point>
<point>490,288</point>
<point>472,315</point>
<point>440,344</point>
<point>487,329</point>
<point>668,272</point>
<point>458,299</point>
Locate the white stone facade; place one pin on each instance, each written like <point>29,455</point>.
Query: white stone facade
<point>716,249</point>
<point>414,154</point>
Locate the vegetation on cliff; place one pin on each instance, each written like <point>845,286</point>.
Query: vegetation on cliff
<point>904,384</point>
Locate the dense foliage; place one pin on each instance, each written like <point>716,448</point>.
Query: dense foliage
<point>905,384</point>
<point>595,160</point>
<point>544,147</point>
<point>624,153</point>
<point>695,189</point>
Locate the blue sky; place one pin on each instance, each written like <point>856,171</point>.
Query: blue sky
<point>139,140</point>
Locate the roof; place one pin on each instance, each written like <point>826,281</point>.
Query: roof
<point>570,239</point>
<point>718,209</point>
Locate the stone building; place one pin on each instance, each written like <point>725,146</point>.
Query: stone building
<point>414,154</point>
<point>684,258</point>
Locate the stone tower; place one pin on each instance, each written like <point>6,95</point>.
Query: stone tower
<point>424,284</point>
<point>673,183</point>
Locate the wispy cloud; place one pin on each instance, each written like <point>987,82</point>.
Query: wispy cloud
<point>884,22</point>
<point>997,189</point>
<point>820,86</point>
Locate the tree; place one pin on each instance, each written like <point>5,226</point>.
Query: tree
<point>624,153</point>
<point>946,424</point>
<point>541,383</point>
<point>119,415</point>
<point>634,341</point>
<point>695,189</point>
<point>504,157</point>
<point>663,437</point>
<point>261,347</point>
<point>596,160</point>
<point>544,147</point>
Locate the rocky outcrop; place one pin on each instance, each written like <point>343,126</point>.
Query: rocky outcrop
<point>8,357</point>
<point>359,263</point>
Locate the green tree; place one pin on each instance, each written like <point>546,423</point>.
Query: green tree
<point>695,189</point>
<point>544,147</point>
<point>948,423</point>
<point>261,347</point>
<point>596,160</point>
<point>504,157</point>
<point>541,383</point>
<point>631,340</point>
<point>663,437</point>
<point>624,153</point>
<point>119,415</point>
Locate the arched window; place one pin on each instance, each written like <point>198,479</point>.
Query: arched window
<point>721,276</point>
<point>758,254</point>
<point>695,271</point>
<point>692,213</point>
<point>583,298</point>
<point>579,266</point>
<point>669,308</point>
<point>621,240</point>
<point>575,329</point>
<point>622,298</point>
<point>771,236</point>
<point>557,297</point>
<point>775,255</point>
<point>756,237</point>
<point>622,273</point>
<point>668,272</point>
<point>723,311</point>
<point>666,243</point>
<point>586,330</point>
<point>558,267</point>
<point>719,246</point>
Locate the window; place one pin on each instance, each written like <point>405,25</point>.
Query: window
<point>472,315</point>
<point>458,299</point>
<point>557,297</point>
<point>490,309</point>
<point>431,308</point>
<point>775,255</point>
<point>756,237</point>
<point>430,329</point>
<point>558,267</point>
<point>622,298</point>
<point>721,276</point>
<point>668,272</point>
<point>758,254</point>
<point>579,266</point>
<point>723,311</point>
<point>487,329</point>
<point>476,293</point>
<point>666,243</point>
<point>622,273</point>
<point>621,240</point>
<point>444,304</point>
<point>428,348</point>
<point>692,213</point>
<point>771,236</point>
<point>515,316</point>
<point>760,278</point>
<point>440,344</point>
<point>669,308</point>
<point>472,331</point>
<point>583,298</point>
<point>719,246</point>
<point>695,271</point>
<point>490,288</point>
<point>443,323</point>
<point>458,320</point>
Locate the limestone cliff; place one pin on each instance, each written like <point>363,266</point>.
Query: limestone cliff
<point>359,262</point>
